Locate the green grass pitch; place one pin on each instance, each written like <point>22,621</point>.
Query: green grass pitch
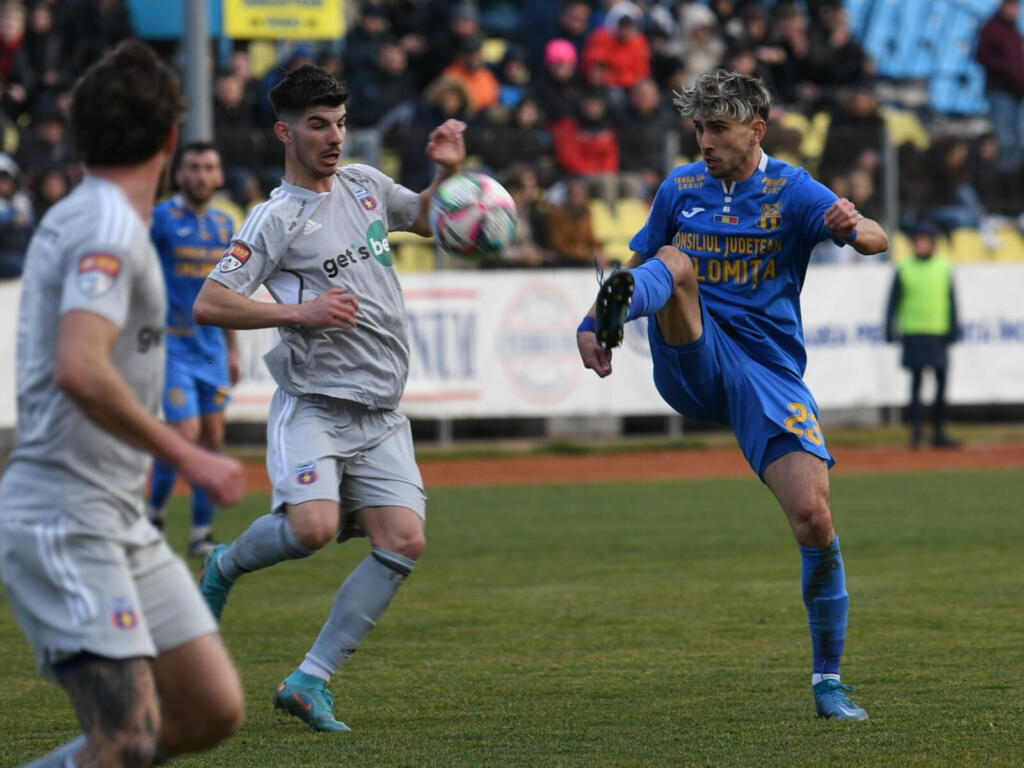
<point>632,624</point>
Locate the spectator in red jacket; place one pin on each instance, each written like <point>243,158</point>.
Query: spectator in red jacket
<point>621,46</point>
<point>1001,52</point>
<point>586,145</point>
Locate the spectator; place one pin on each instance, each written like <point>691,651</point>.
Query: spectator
<point>238,139</point>
<point>39,59</point>
<point>17,220</point>
<point>45,143</point>
<point>647,131</point>
<point>921,314</point>
<point>571,231</point>
<point>558,88</point>
<point>375,91</point>
<point>585,145</point>
<point>88,28</point>
<point>793,75</point>
<point>1000,52</point>
<point>856,132</point>
<point>999,191</point>
<point>12,79</point>
<point>364,40</point>
<point>513,76</point>
<point>574,20</point>
<point>950,201</point>
<point>51,185</point>
<point>703,47</point>
<point>468,68</point>
<point>444,98</point>
<point>526,248</point>
<point>620,46</point>
<point>446,26</point>
<point>518,137</point>
<point>835,57</point>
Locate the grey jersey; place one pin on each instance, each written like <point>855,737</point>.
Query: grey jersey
<point>90,252</point>
<point>301,243</point>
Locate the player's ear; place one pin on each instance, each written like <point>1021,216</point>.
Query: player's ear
<point>283,131</point>
<point>760,128</point>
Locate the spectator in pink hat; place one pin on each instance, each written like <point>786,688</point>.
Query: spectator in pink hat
<point>558,86</point>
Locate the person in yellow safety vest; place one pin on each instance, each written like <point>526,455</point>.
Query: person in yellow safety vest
<point>922,315</point>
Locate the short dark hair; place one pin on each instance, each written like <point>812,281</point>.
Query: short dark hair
<point>125,106</point>
<point>304,87</point>
<point>198,147</point>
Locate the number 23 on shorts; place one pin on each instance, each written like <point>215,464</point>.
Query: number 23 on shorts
<point>809,429</point>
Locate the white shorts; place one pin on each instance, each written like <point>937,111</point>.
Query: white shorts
<point>323,448</point>
<point>75,589</point>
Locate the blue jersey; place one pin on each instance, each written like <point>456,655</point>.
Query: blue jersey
<point>190,247</point>
<point>750,242</point>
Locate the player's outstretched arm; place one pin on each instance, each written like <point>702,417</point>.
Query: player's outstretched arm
<point>218,305</point>
<point>84,371</point>
<point>868,236</point>
<point>446,147</point>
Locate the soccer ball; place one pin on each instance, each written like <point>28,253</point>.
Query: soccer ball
<point>472,216</point>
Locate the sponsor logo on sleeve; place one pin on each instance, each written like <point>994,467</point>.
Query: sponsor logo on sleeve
<point>97,272</point>
<point>235,257</point>
<point>305,474</point>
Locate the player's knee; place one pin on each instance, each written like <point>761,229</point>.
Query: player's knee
<point>217,722</point>
<point>678,263</point>
<point>315,533</point>
<point>812,523</point>
<point>408,542</point>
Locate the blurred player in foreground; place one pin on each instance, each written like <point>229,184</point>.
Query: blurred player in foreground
<point>340,456</point>
<point>113,615</point>
<point>921,314</point>
<point>202,362</point>
<point>718,268</point>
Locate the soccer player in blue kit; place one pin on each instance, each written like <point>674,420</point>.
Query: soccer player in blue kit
<point>719,266</point>
<point>202,361</point>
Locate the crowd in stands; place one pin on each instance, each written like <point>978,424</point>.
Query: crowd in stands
<point>568,104</point>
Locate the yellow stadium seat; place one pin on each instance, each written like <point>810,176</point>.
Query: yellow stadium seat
<point>493,49</point>
<point>1011,244</point>
<point>411,252</point>
<point>602,219</point>
<point>813,143</point>
<point>631,215</point>
<point>390,163</point>
<point>900,248</point>
<point>967,245</point>
<point>905,127</point>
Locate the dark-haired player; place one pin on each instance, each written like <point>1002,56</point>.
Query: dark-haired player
<point>202,362</point>
<point>340,454</point>
<point>718,268</point>
<point>112,613</point>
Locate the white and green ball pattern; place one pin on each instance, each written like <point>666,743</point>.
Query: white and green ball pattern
<point>472,216</point>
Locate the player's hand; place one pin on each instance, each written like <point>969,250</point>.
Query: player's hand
<point>234,367</point>
<point>334,308</point>
<point>594,356</point>
<point>842,217</point>
<point>222,476</point>
<point>446,145</point>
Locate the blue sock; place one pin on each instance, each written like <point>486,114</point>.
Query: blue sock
<point>202,508</point>
<point>160,487</point>
<point>824,586</point>
<point>653,287</point>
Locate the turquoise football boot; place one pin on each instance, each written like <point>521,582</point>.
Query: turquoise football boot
<point>612,308</point>
<point>308,698</point>
<point>212,584</point>
<point>832,702</point>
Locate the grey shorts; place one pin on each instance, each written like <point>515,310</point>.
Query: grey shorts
<point>323,448</point>
<point>76,589</point>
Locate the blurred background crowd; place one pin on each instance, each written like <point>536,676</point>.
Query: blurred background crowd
<point>569,106</point>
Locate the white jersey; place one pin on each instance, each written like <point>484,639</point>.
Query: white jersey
<point>301,243</point>
<point>90,252</point>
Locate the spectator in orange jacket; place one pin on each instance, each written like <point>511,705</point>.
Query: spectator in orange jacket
<point>621,46</point>
<point>468,68</point>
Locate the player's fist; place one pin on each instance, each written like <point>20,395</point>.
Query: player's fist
<point>594,356</point>
<point>334,308</point>
<point>222,476</point>
<point>842,217</point>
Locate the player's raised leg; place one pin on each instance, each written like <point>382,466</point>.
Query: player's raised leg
<point>397,536</point>
<point>799,481</point>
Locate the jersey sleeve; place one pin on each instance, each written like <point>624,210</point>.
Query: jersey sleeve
<point>401,203</point>
<point>250,260</point>
<point>815,199</point>
<point>660,225</point>
<point>99,280</point>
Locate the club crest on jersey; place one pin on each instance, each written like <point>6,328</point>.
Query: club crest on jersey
<point>97,272</point>
<point>235,257</point>
<point>305,474</point>
<point>771,216</point>
<point>368,201</point>
<point>124,615</point>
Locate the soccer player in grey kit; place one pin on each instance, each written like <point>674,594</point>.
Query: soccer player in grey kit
<point>112,613</point>
<point>340,455</point>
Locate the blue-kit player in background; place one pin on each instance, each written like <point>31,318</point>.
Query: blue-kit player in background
<point>202,361</point>
<point>718,269</point>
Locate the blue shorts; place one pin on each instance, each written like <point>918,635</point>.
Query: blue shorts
<point>187,396</point>
<point>770,409</point>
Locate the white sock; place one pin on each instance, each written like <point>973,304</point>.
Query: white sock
<point>816,678</point>
<point>200,532</point>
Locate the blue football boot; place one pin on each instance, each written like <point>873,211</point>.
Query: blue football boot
<point>308,698</point>
<point>212,584</point>
<point>832,702</point>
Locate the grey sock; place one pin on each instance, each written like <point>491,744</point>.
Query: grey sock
<point>358,606</point>
<point>62,757</point>
<point>267,541</point>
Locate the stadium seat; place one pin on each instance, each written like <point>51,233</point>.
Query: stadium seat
<point>602,219</point>
<point>630,215</point>
<point>1011,244</point>
<point>967,245</point>
<point>412,253</point>
<point>390,163</point>
<point>905,128</point>
<point>493,49</point>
